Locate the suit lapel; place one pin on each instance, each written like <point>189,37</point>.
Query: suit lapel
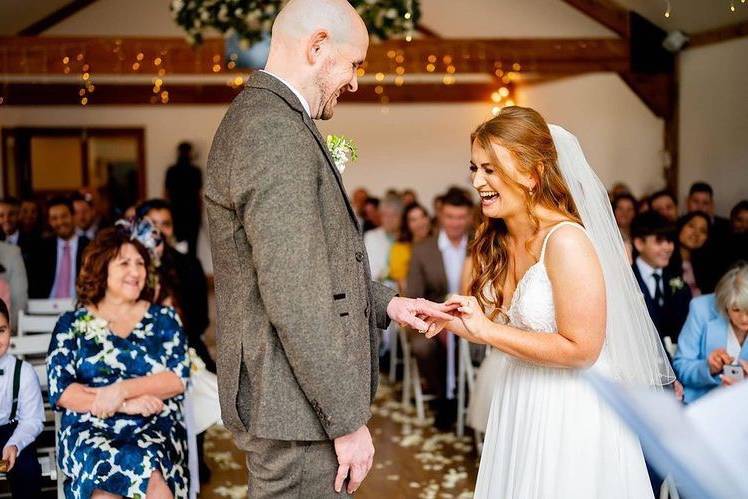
<point>645,291</point>
<point>260,79</point>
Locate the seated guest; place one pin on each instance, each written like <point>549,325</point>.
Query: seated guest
<point>371,214</point>
<point>714,335</point>
<point>54,264</point>
<point>183,279</point>
<point>618,189</point>
<point>13,273</point>
<point>664,203</point>
<point>737,243</point>
<point>21,417</point>
<point>624,209</point>
<point>29,221</point>
<point>415,227</point>
<point>739,218</point>
<point>694,258</point>
<point>379,241</point>
<point>409,197</point>
<point>10,226</point>
<point>665,293</point>
<point>701,198</point>
<point>84,216</point>
<point>435,272</point>
<point>358,200</point>
<point>117,369</point>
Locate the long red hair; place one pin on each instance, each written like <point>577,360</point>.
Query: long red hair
<point>526,135</point>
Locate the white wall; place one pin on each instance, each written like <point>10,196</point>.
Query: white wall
<point>622,139</point>
<point>714,120</point>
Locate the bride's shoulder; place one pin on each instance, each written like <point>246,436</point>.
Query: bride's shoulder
<point>567,244</point>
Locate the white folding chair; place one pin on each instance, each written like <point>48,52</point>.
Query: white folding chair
<point>35,324</point>
<point>51,306</point>
<point>465,380</point>
<point>33,344</point>
<point>412,380</point>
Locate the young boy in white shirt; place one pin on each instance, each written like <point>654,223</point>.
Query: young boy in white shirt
<point>21,418</point>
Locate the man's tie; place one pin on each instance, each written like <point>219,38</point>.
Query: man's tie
<point>65,273</point>
<point>658,298</point>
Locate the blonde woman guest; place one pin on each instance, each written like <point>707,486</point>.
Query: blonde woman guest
<point>117,369</point>
<point>415,227</point>
<point>714,336</point>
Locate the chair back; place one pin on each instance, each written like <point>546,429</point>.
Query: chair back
<point>51,306</point>
<point>35,324</point>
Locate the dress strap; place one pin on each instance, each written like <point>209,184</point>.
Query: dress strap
<point>550,233</point>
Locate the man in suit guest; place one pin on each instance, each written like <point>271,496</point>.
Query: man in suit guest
<point>666,294</point>
<point>56,260</point>
<point>298,313</point>
<point>666,204</point>
<point>9,225</point>
<point>84,216</point>
<point>183,187</point>
<point>435,269</point>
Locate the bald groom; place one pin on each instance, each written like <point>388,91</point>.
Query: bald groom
<point>298,312</point>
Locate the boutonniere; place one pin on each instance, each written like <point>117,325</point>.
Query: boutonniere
<point>676,283</point>
<point>342,150</point>
<point>92,328</point>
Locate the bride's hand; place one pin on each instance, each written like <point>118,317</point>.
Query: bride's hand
<point>470,314</point>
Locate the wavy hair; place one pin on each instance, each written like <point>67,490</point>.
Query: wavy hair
<point>526,135</point>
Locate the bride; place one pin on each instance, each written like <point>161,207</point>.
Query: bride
<point>548,267</point>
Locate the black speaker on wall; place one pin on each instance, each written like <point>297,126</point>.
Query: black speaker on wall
<point>645,45</point>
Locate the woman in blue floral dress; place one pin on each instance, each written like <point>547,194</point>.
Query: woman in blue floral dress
<point>117,368</point>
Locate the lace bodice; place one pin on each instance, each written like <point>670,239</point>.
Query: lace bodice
<point>532,306</point>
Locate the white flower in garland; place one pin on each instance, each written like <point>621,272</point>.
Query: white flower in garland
<point>342,150</point>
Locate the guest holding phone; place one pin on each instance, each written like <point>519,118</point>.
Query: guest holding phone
<point>712,350</point>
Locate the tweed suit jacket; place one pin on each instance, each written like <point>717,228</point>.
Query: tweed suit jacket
<point>297,310</point>
<point>426,274</point>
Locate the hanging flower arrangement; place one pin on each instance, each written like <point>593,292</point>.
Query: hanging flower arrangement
<point>251,20</point>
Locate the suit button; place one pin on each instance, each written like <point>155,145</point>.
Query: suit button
<point>360,256</point>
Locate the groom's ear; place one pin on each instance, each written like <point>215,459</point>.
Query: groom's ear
<point>316,45</point>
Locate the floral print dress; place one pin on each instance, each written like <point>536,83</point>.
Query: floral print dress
<point>119,454</point>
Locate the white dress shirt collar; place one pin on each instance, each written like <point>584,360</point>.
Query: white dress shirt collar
<point>13,238</point>
<point>647,272</point>
<point>301,98</point>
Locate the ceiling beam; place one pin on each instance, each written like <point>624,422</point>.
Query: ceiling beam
<point>35,94</point>
<point>47,56</point>
<point>55,17</point>
<point>606,12</point>
<point>718,35</point>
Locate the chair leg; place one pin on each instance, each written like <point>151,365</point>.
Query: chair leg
<point>406,368</point>
<point>394,338</point>
<point>418,392</point>
<point>461,381</point>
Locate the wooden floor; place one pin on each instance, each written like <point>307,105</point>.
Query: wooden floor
<point>411,460</point>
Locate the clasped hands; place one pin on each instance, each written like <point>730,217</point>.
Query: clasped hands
<point>431,318</point>
<point>111,399</point>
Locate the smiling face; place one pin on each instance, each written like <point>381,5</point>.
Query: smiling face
<point>338,73</point>
<point>654,250</point>
<point>126,274</point>
<point>502,194</point>
<point>8,218</point>
<point>625,212</point>
<point>418,224</point>
<point>701,201</point>
<point>61,221</point>
<point>694,233</point>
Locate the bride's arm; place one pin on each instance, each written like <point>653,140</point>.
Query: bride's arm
<point>579,299</point>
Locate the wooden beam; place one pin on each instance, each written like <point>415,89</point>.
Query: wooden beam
<point>47,55</point>
<point>36,94</point>
<point>718,35</point>
<point>606,12</point>
<point>655,90</point>
<point>55,17</point>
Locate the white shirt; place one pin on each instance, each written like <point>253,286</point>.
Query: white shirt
<point>378,245</point>
<point>73,242</point>
<point>13,238</point>
<point>291,87</point>
<point>453,258</point>
<point>30,411</point>
<point>733,345</point>
<point>89,234</point>
<point>647,272</point>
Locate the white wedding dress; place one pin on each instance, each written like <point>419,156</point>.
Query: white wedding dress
<point>549,435</point>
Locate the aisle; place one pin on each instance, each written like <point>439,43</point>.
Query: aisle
<point>411,461</point>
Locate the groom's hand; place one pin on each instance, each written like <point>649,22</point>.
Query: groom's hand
<point>419,314</point>
<point>355,453</point>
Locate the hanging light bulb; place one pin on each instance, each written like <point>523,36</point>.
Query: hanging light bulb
<point>732,5</point>
<point>668,9</point>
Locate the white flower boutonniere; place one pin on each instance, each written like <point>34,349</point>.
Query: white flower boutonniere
<point>92,328</point>
<point>342,150</point>
<point>676,283</point>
